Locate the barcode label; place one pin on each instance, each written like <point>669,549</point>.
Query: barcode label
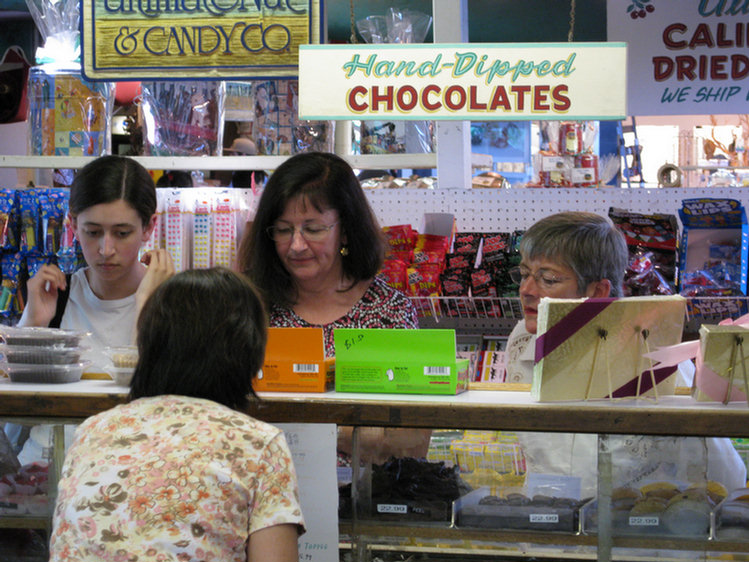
<point>391,508</point>
<point>650,521</point>
<point>437,371</point>
<point>544,518</point>
<point>306,368</point>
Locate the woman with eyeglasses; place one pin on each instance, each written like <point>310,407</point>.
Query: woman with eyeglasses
<point>567,255</point>
<point>314,251</point>
<point>576,255</point>
<point>315,248</point>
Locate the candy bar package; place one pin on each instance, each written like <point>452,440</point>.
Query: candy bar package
<point>652,243</point>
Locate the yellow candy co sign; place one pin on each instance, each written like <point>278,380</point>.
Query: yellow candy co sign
<point>212,39</point>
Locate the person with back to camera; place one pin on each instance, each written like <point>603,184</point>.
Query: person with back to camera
<point>113,211</point>
<point>576,255</point>
<point>314,250</point>
<point>180,472</point>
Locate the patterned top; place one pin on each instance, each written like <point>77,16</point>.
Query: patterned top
<point>381,306</point>
<point>171,478</point>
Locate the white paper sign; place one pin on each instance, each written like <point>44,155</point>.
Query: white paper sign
<point>686,57</point>
<point>463,81</point>
<point>313,448</point>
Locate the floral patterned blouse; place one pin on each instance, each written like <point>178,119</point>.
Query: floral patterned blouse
<point>381,306</point>
<point>171,478</point>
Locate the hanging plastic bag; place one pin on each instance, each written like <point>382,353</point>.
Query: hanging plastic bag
<point>379,137</point>
<point>68,115</point>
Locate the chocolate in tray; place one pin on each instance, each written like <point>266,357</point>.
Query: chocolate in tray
<point>407,489</point>
<point>518,512</point>
<point>40,355</point>
<point>48,337</point>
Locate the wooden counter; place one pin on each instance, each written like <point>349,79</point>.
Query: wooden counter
<point>475,409</point>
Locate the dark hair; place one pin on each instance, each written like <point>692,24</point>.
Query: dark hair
<point>175,178</point>
<point>243,178</point>
<point>202,333</point>
<point>111,178</point>
<point>324,181</point>
<point>589,244</point>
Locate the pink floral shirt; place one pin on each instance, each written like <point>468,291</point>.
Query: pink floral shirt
<point>381,306</point>
<point>171,478</point>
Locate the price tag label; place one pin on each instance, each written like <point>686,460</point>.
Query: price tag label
<point>391,508</point>
<point>544,518</point>
<point>649,521</point>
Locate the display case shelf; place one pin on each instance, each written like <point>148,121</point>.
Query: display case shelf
<point>475,409</point>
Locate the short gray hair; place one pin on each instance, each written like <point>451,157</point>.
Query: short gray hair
<point>587,243</point>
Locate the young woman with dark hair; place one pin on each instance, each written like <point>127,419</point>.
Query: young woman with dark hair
<point>113,212</point>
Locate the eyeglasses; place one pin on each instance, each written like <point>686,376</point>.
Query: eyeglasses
<point>310,232</point>
<point>544,279</point>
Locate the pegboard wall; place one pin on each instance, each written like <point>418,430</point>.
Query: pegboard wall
<point>505,210</point>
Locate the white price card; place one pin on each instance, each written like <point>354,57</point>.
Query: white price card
<point>313,448</point>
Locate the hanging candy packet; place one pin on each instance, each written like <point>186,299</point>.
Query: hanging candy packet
<point>11,267</point>
<point>29,210</point>
<point>225,230</point>
<point>202,233</point>
<point>176,230</point>
<point>7,198</point>
<point>67,255</point>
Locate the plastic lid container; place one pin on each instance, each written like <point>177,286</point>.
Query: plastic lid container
<point>30,373</point>
<point>122,375</point>
<point>123,357</point>
<point>49,337</point>
<point>40,355</point>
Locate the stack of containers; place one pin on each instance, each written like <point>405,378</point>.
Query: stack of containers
<point>41,355</point>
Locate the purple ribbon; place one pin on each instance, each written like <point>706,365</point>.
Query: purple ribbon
<point>570,325</point>
<point>630,388</point>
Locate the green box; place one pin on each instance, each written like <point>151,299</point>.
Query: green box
<point>398,361</point>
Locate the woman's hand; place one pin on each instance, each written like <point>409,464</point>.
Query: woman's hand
<point>160,268</point>
<point>41,300</point>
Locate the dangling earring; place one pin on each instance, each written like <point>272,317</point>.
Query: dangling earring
<point>344,251</point>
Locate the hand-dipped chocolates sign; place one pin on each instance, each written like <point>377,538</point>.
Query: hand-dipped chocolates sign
<point>196,39</point>
<point>463,81</point>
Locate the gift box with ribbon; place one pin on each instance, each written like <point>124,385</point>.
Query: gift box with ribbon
<point>722,369</point>
<point>722,360</point>
<point>593,348</point>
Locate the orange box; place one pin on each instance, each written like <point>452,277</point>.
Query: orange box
<point>295,362</point>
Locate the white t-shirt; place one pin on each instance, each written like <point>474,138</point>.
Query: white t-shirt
<point>637,459</point>
<point>111,322</point>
